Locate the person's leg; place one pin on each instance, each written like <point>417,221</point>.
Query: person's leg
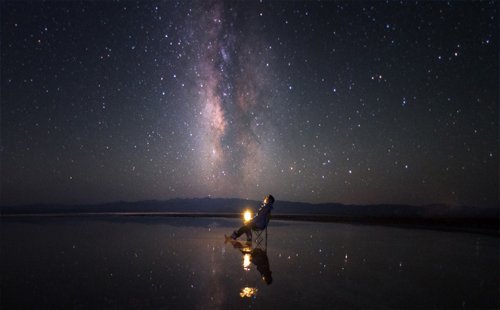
<point>243,229</point>
<point>249,235</point>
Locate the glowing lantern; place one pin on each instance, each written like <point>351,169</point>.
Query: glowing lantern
<point>248,216</point>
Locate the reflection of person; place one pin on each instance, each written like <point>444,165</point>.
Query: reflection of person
<point>259,221</point>
<point>259,258</point>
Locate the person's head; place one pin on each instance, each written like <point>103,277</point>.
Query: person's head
<point>268,279</point>
<point>269,199</point>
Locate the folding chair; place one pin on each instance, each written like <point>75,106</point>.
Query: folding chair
<point>258,234</point>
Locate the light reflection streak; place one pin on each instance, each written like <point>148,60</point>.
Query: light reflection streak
<point>246,262</point>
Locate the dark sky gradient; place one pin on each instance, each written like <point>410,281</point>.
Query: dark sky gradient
<point>340,101</point>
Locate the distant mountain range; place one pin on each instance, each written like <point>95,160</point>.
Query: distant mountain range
<point>233,206</point>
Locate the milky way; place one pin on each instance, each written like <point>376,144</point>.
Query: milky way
<point>350,102</point>
<point>231,81</point>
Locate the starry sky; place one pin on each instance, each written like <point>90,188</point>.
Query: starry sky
<point>330,101</point>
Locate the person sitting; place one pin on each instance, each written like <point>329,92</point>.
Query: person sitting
<point>259,221</point>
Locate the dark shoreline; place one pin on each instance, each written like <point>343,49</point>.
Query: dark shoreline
<point>486,226</point>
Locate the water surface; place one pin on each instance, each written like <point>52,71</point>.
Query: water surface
<point>185,263</point>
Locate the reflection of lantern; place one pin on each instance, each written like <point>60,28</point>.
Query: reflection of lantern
<point>246,262</point>
<point>248,292</point>
<point>248,215</point>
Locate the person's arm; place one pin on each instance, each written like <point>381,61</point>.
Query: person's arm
<point>263,210</point>
<point>262,213</point>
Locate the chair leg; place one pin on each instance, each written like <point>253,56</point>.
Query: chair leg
<point>260,235</point>
<point>266,241</point>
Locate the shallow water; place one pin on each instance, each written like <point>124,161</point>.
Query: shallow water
<point>184,263</point>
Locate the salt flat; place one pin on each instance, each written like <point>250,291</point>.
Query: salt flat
<point>185,263</point>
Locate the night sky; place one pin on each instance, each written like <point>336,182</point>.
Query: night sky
<point>340,101</point>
